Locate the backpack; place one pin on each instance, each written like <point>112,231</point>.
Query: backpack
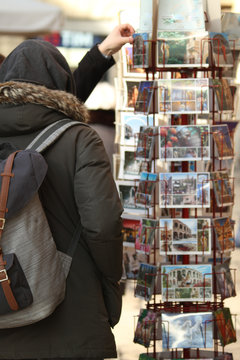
<point>33,272</point>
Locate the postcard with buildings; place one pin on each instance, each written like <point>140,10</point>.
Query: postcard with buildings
<point>147,184</point>
<point>226,331</point>
<point>172,15</point>
<point>221,52</point>
<point>127,63</point>
<point>141,50</point>
<point>146,140</point>
<point>146,235</point>
<point>222,188</point>
<point>223,141</point>
<point>146,102</point>
<point>223,228</point>
<point>184,142</point>
<point>182,49</point>
<point>145,327</point>
<point>187,330</point>
<point>183,96</point>
<point>186,282</point>
<point>224,280</point>
<point>130,230</point>
<point>145,281</point>
<point>130,126</point>
<point>184,190</point>
<point>185,236</point>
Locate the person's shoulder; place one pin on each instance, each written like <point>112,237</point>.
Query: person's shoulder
<point>85,132</point>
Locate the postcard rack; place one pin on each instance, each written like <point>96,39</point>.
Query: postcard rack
<point>173,175</point>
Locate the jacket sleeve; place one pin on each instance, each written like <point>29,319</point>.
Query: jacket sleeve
<point>98,204</point>
<point>89,72</point>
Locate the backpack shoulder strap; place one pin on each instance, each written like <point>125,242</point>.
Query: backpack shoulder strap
<point>40,143</point>
<point>51,133</point>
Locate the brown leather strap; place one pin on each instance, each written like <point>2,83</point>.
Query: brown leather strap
<point>5,283</point>
<point>6,176</point>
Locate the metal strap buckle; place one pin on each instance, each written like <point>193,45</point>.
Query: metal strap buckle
<point>3,223</point>
<point>6,276</point>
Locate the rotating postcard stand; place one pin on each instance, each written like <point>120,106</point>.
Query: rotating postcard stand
<point>186,232</point>
<point>190,284</point>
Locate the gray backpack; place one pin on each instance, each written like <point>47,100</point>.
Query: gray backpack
<point>33,272</point>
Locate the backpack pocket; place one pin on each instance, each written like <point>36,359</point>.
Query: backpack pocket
<point>14,274</point>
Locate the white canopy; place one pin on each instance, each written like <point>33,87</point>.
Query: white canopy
<point>29,17</point>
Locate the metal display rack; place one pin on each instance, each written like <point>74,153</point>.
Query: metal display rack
<point>157,302</point>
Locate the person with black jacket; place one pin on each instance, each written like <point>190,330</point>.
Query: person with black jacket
<point>37,89</point>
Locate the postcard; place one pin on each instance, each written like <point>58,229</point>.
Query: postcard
<point>182,49</point>
<point>186,282</point>
<point>183,96</point>
<point>130,166</point>
<point>224,99</point>
<point>222,188</point>
<point>141,50</point>
<point>224,280</point>
<point>184,142</point>
<point>145,142</point>
<point>223,228</point>
<point>185,236</point>
<point>223,141</point>
<point>145,281</point>
<point>187,330</point>
<point>231,26</point>
<point>145,327</point>
<point>147,184</point>
<point>221,211</point>
<point>130,93</point>
<point>130,126</point>
<point>146,235</point>
<point>221,52</point>
<point>130,230</point>
<point>127,193</point>
<point>226,331</point>
<point>184,190</point>
<point>147,92</point>
<point>132,261</point>
<point>127,63</point>
<point>172,15</point>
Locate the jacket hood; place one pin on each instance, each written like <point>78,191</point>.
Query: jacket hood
<point>39,62</point>
<point>20,93</point>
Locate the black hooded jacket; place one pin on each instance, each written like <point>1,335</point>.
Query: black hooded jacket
<point>37,89</point>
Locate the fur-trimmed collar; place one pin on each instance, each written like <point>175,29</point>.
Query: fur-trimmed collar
<point>14,92</point>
